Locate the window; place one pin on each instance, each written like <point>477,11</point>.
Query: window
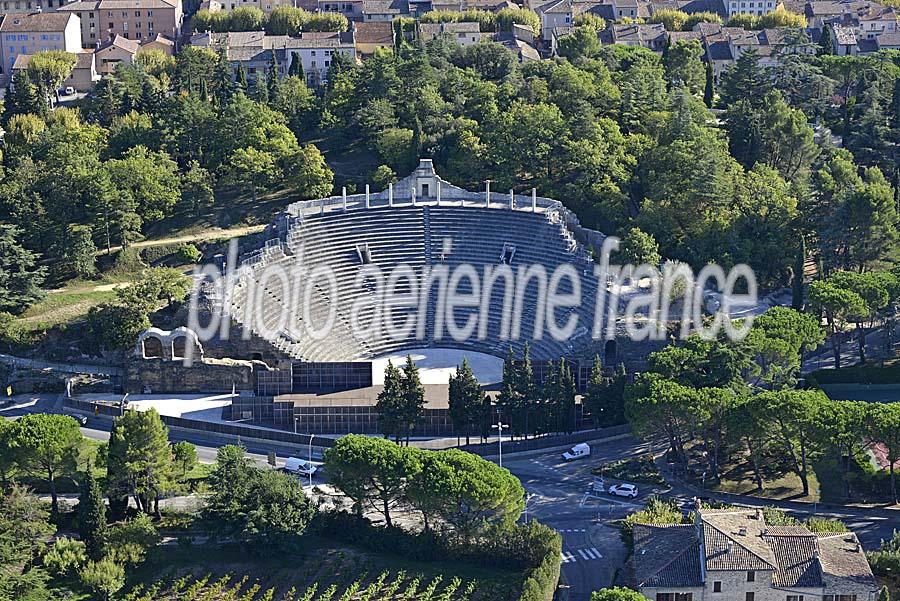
<point>717,586</point>
<point>751,576</point>
<point>109,14</point>
<point>149,13</point>
<point>795,598</point>
<point>137,13</point>
<point>750,596</point>
<point>110,25</point>
<point>839,598</point>
<point>674,596</point>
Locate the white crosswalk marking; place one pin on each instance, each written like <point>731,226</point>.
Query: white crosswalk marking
<point>583,554</point>
<point>567,557</point>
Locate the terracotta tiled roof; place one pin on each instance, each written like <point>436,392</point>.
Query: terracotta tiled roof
<point>36,22</point>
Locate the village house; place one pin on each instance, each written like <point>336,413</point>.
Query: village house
<point>733,554</point>
<point>84,75</point>
<point>369,37</point>
<point>463,33</point>
<point>114,52</point>
<point>254,50</point>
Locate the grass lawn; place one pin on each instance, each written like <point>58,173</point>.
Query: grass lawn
<point>641,470</point>
<point>786,487</point>
<point>320,563</point>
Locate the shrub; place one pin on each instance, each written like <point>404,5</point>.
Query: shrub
<point>104,577</point>
<point>65,556</point>
<point>657,511</point>
<point>128,260</point>
<point>187,253</point>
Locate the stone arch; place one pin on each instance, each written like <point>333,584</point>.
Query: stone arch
<point>152,348</point>
<point>609,353</point>
<point>179,347</point>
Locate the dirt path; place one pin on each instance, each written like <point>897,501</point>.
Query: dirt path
<point>210,234</point>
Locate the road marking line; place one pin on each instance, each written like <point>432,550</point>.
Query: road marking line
<point>583,554</point>
<point>566,557</point>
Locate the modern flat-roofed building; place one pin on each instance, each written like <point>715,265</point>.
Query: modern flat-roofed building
<point>139,20</point>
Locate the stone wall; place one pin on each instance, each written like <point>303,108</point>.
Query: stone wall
<point>208,375</point>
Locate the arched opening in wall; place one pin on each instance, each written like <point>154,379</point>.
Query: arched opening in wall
<point>179,347</point>
<point>152,347</point>
<point>256,357</point>
<point>609,353</point>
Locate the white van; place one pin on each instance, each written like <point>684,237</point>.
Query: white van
<point>579,451</point>
<point>299,466</point>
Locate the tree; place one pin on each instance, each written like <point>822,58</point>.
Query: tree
<point>285,20</point>
<point>196,188</point>
<point>20,278</point>
<point>81,252</point>
<point>581,43</point>
<point>640,248</point>
<point>466,399</point>
<point>153,286</point>
<point>413,397</point>
<point>229,482</point>
<point>23,98</point>
<point>251,169</point>
<point>617,594</point>
<point>184,454</point>
<point>140,459</point>
<point>275,513</point>
<point>826,43</point>
<point>745,80</point>
<point>885,428</point>
<point>115,327</point>
<point>709,87</point>
<point>46,445</point>
<point>684,67</point>
<point>24,532</point>
<point>671,19</point>
<point>52,68</point>
<point>793,415</point>
<point>839,306</point>
<point>383,176</point>
<point>247,18</point>
<point>308,173</point>
<point>104,577</point>
<point>129,541</point>
<point>389,405</point>
<point>91,517</point>
<point>149,180</point>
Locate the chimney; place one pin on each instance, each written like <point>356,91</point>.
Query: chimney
<point>759,514</point>
<point>742,531</point>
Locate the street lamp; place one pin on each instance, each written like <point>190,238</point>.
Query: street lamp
<point>500,425</point>
<point>295,424</point>
<point>122,404</point>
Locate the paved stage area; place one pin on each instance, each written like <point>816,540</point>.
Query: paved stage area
<point>437,364</point>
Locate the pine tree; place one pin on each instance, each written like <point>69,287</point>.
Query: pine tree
<point>389,403</point>
<point>567,406</point>
<point>884,594</point>
<point>23,97</point>
<point>91,517</point>
<point>709,90</point>
<point>596,392</point>
<point>413,396</point>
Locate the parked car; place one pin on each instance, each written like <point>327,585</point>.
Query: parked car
<point>300,467</point>
<point>81,419</point>
<point>577,452</point>
<point>624,490</point>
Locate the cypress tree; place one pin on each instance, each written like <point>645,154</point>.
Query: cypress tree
<point>91,517</point>
<point>825,43</point>
<point>389,403</point>
<point>413,396</point>
<point>466,399</point>
<point>709,90</point>
<point>240,81</point>
<point>273,75</point>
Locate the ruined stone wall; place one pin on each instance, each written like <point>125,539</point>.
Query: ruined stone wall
<point>208,375</point>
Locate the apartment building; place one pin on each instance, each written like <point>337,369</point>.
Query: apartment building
<point>39,32</point>
<point>140,20</point>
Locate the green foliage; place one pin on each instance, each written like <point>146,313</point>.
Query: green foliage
<point>24,532</point>
<point>778,18</point>
<point>91,517</point>
<point>264,509</point>
<point>616,594</point>
<point>115,327</point>
<point>184,454</point>
<point>639,248</point>
<point>46,446</point>
<point>65,556</point>
<point>20,277</point>
<point>104,577</point>
<point>187,253</point>
<point>657,511</point>
<point>139,462</point>
<point>128,542</point>
<point>467,401</point>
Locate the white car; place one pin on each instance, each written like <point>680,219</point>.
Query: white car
<point>299,467</point>
<point>69,91</point>
<point>624,490</point>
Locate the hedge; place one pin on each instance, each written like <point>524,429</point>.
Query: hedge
<point>868,374</point>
